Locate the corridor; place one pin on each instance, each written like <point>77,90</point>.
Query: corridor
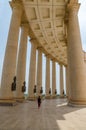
<point>54,114</point>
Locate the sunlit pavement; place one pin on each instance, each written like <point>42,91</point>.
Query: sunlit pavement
<point>54,114</point>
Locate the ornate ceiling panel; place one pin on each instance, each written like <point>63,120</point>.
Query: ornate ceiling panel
<point>46,20</point>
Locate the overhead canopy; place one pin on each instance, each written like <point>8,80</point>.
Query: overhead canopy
<point>46,19</point>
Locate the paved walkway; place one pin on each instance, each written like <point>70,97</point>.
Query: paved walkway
<point>53,115</point>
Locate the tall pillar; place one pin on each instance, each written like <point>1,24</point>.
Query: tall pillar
<point>9,66</point>
<point>32,72</point>
<point>53,78</point>
<point>61,81</point>
<point>47,76</point>
<point>67,81</point>
<point>21,66</point>
<point>76,64</point>
<point>39,71</point>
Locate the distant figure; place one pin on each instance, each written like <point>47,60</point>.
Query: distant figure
<point>39,101</point>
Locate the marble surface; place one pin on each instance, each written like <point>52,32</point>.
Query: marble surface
<point>54,114</point>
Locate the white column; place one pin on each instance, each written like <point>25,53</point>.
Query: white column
<point>39,71</point>
<point>21,66</point>
<point>53,78</point>
<point>75,58</point>
<point>32,72</point>
<point>47,76</point>
<point>9,66</point>
<point>61,81</point>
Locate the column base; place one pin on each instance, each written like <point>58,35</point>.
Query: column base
<point>62,96</point>
<point>77,103</point>
<point>48,97</point>
<point>54,96</point>
<point>32,98</point>
<point>7,102</point>
<point>20,100</point>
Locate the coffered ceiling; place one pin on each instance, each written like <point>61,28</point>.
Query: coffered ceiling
<point>46,20</point>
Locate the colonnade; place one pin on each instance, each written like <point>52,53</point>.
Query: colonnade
<point>76,64</point>
<point>75,69</point>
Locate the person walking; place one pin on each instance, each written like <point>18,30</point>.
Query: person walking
<point>39,101</point>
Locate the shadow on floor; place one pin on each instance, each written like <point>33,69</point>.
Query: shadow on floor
<point>27,116</point>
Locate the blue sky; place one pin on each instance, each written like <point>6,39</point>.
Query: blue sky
<point>82,21</point>
<point>5,15</point>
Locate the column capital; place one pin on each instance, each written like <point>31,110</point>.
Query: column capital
<point>24,24</point>
<point>60,64</point>
<point>34,42</point>
<point>47,56</point>
<point>73,1</point>
<point>53,60</point>
<point>16,4</point>
<point>73,7</point>
<point>39,48</point>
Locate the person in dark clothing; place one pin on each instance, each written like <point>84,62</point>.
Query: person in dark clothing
<point>39,101</point>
